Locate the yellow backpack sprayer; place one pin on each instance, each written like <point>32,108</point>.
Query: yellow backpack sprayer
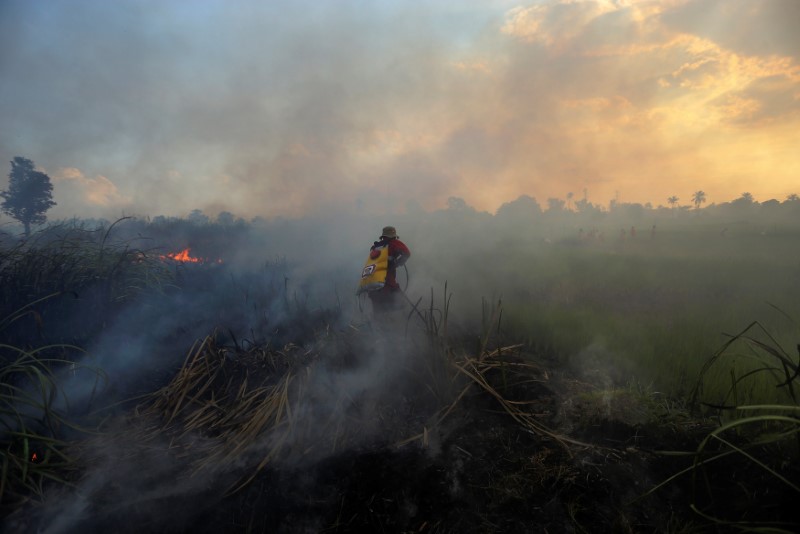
<point>373,275</point>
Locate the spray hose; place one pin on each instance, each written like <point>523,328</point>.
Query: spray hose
<point>408,279</point>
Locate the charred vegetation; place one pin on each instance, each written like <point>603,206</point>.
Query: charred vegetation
<point>199,396</point>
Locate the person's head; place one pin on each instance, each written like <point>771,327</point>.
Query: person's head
<point>388,232</point>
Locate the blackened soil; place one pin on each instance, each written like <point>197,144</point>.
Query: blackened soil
<point>479,470</point>
<point>482,472</point>
<point>488,476</point>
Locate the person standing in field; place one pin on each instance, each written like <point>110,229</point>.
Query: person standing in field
<point>390,295</point>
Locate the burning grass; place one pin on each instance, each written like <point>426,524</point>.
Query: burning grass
<point>394,427</point>
<point>268,439</point>
<point>375,428</point>
<point>67,281</point>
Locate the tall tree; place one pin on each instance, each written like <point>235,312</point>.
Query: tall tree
<point>29,194</point>
<point>197,216</point>
<point>672,200</point>
<point>698,198</point>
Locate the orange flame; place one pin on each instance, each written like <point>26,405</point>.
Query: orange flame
<point>34,457</point>
<point>185,257</point>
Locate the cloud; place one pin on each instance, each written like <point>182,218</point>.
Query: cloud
<point>634,99</point>
<point>556,24</point>
<point>291,109</point>
<point>747,27</point>
<point>75,191</point>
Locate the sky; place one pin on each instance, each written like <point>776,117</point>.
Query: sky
<point>292,108</point>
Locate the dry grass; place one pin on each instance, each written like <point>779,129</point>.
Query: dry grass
<point>230,400</point>
<point>32,450</point>
<point>229,409</point>
<point>64,273</point>
<point>231,414</point>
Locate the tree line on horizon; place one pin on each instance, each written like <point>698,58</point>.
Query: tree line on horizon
<point>29,197</point>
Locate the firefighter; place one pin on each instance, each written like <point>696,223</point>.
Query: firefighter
<point>390,295</point>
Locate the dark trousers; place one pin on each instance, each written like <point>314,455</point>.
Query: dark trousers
<point>386,299</point>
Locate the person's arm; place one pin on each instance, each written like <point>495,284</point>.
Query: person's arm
<point>399,253</point>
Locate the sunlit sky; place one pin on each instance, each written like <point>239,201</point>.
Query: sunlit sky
<point>297,107</point>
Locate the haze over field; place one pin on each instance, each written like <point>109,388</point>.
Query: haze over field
<point>293,108</point>
<point>598,269</point>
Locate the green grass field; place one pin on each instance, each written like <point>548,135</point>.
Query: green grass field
<point>655,309</point>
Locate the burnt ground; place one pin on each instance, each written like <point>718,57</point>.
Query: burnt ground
<point>483,473</point>
<point>477,469</point>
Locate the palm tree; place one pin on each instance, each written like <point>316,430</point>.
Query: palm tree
<point>698,198</point>
<point>672,201</point>
<point>569,198</point>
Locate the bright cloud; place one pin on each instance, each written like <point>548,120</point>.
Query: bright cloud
<point>385,104</point>
<point>654,98</point>
<point>74,190</point>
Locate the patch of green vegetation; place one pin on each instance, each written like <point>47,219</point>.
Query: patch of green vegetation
<point>61,284</point>
<point>660,311</point>
<point>32,447</point>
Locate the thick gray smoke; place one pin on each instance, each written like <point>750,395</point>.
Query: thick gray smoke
<point>294,281</point>
<point>277,284</point>
<point>290,109</point>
